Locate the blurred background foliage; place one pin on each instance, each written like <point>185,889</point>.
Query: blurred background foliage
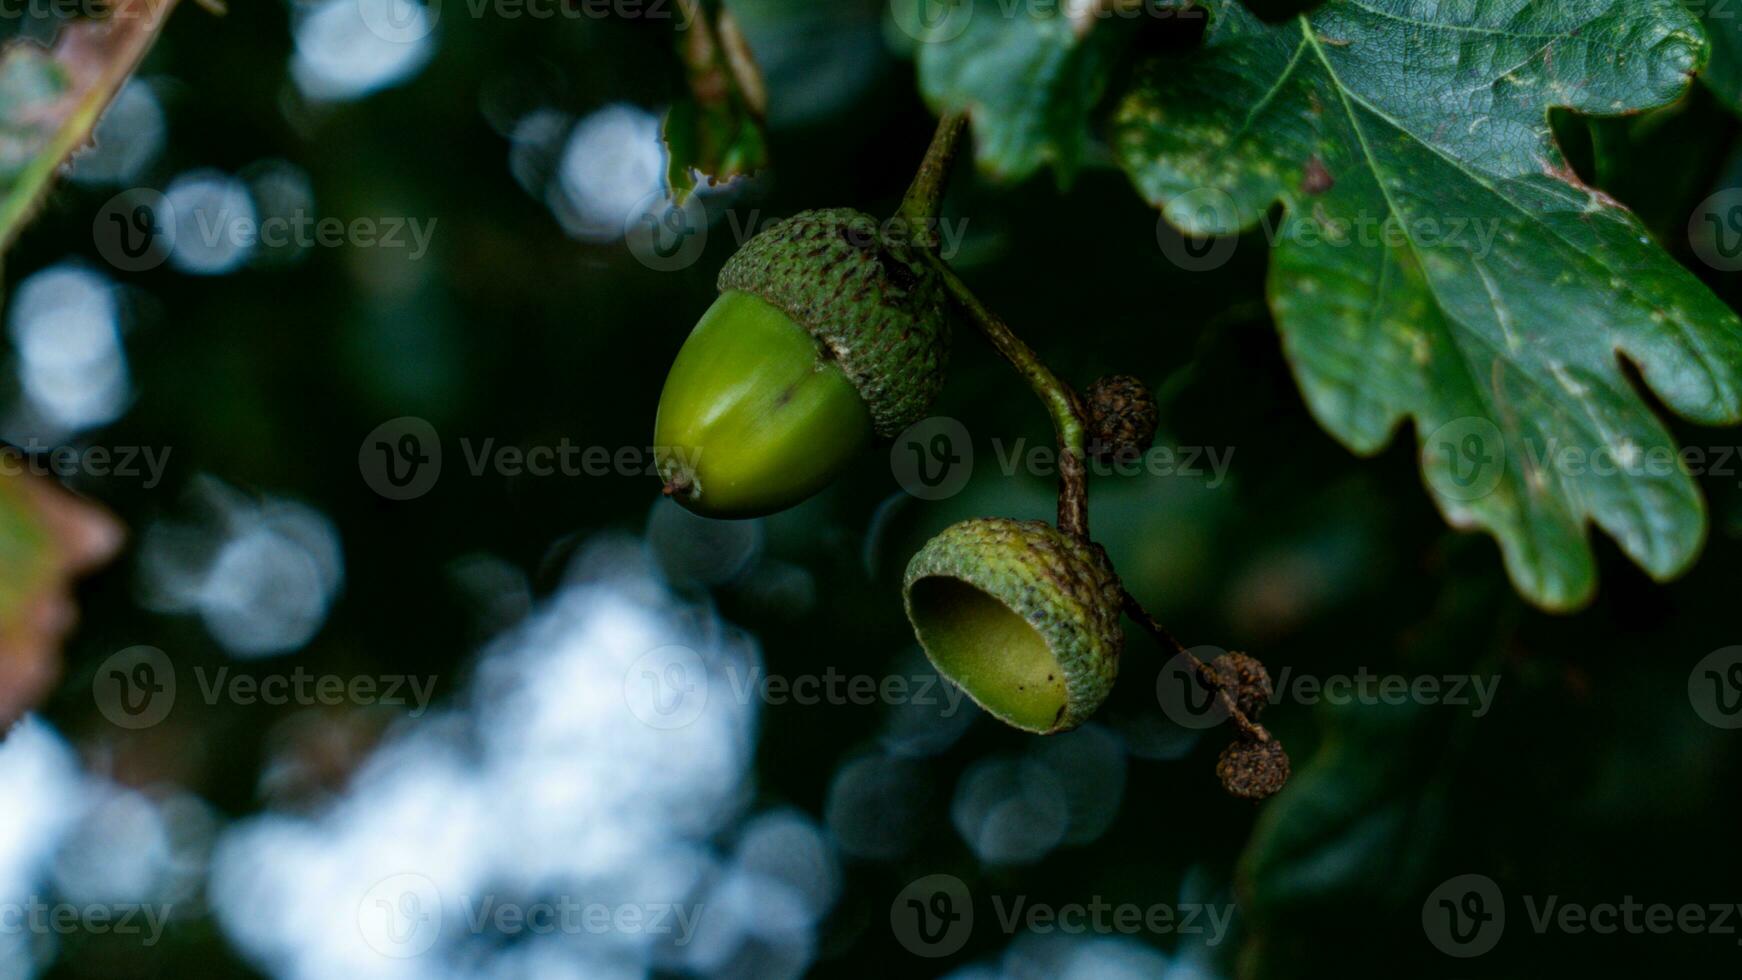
<point>1592,778</point>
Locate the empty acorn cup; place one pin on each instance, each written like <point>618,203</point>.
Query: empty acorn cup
<point>1022,617</point>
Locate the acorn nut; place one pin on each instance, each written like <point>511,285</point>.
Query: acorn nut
<point>827,332</point>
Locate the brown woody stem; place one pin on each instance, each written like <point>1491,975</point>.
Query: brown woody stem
<point>1248,728</point>
<point>920,209</point>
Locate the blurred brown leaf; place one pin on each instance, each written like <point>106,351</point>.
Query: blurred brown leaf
<point>47,538</point>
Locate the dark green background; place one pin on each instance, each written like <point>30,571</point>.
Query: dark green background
<point>1592,778</point>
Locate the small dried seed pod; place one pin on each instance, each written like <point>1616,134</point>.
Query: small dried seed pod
<point>1122,418</point>
<point>1246,681</point>
<point>1253,770</point>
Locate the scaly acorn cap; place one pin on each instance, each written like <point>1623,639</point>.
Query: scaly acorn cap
<point>1022,617</point>
<point>872,303</point>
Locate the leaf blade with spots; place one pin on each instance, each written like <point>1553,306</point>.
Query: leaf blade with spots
<point>1723,74</point>
<point>1438,261</point>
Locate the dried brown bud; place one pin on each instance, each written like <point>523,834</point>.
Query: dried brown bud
<point>1253,770</point>
<point>1122,418</point>
<point>1246,681</point>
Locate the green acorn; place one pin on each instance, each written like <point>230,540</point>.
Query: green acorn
<point>1022,617</point>
<point>827,332</point>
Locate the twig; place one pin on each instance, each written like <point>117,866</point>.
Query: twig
<point>1209,677</point>
<point>920,209</point>
<point>926,193</point>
